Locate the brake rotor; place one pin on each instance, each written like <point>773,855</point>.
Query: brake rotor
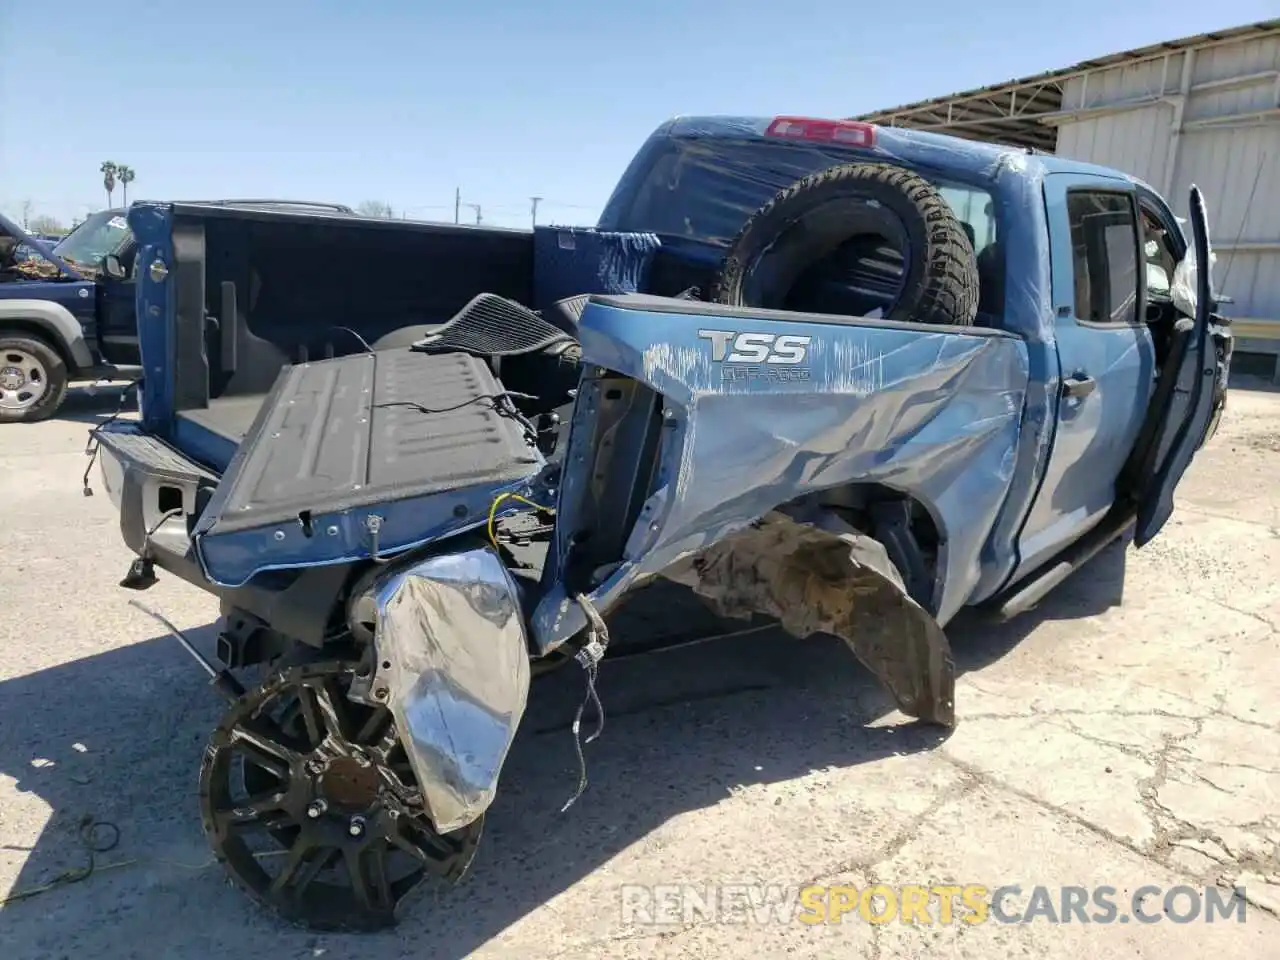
<point>309,802</point>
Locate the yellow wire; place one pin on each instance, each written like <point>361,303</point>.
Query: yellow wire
<point>493,511</point>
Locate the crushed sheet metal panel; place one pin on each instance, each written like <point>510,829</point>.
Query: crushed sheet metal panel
<point>455,661</point>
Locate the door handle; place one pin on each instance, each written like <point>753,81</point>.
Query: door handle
<point>1079,386</point>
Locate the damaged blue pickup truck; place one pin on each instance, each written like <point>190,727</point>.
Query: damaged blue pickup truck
<point>846,377</point>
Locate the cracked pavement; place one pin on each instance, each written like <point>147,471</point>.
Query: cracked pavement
<point>1125,733</point>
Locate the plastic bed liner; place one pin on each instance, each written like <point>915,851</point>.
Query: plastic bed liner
<point>228,417</point>
<point>410,436</point>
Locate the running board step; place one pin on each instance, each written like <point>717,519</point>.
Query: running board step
<point>1025,594</point>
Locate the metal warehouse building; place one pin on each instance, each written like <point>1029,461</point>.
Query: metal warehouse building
<point>1202,110</point>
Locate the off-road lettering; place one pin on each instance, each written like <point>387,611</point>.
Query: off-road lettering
<point>729,346</point>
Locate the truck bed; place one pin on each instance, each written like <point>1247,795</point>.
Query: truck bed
<point>254,290</point>
<point>228,417</point>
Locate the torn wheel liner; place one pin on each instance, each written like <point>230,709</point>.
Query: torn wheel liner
<point>818,581</point>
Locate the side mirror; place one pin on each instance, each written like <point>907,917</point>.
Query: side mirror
<point>112,268</point>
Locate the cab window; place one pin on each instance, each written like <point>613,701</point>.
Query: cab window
<point>1104,246</point>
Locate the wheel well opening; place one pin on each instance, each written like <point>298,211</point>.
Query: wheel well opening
<point>36,329</point>
<point>907,528</point>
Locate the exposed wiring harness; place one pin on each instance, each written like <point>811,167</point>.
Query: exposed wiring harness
<point>93,444</point>
<point>373,525</point>
<point>151,532</point>
<point>363,342</point>
<point>491,527</point>
<point>589,658</point>
<point>500,403</point>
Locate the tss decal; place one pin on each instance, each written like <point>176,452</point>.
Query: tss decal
<point>731,347</point>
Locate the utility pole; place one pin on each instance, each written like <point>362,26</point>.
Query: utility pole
<point>534,211</point>
<point>457,203</point>
<point>26,214</point>
<point>476,208</point>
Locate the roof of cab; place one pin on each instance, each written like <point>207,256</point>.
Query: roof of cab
<point>969,153</point>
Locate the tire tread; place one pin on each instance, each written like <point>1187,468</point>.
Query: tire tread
<point>947,292</point>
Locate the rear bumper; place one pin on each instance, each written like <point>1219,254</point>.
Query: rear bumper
<point>155,489</point>
<point>160,494</point>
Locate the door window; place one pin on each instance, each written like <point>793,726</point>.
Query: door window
<point>1104,248</point>
<point>1159,254</point>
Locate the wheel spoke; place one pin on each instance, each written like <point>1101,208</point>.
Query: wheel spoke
<point>262,748</point>
<point>373,726</point>
<point>333,709</point>
<point>307,706</point>
<point>264,761</point>
<point>251,813</point>
<point>389,740</point>
<point>304,863</point>
<point>403,843</point>
<point>277,729</point>
<point>368,872</point>
<point>376,857</point>
<point>403,771</point>
<point>433,845</point>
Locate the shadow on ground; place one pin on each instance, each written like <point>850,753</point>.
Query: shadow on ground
<point>118,737</point>
<point>94,404</point>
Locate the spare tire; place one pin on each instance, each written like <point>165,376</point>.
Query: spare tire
<point>857,227</point>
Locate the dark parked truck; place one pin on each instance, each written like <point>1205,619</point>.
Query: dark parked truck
<point>850,378</point>
<point>64,315</point>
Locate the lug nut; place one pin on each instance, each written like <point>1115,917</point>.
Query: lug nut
<point>316,808</point>
<point>315,767</point>
<point>356,827</point>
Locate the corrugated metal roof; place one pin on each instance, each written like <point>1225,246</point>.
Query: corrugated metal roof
<point>997,113</point>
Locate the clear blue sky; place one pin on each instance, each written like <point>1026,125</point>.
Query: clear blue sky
<point>402,101</point>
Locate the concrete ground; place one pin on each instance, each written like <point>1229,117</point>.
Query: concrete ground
<point>1126,733</point>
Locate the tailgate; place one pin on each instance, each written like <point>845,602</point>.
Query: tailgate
<point>355,457</point>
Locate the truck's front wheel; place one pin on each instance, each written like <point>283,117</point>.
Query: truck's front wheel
<point>853,240</point>
<point>33,378</point>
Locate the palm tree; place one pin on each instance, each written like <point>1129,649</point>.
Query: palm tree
<point>109,170</point>
<point>126,176</point>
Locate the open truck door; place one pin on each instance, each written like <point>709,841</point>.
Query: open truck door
<point>1189,401</point>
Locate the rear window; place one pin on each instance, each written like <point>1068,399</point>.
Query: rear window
<point>706,189</point>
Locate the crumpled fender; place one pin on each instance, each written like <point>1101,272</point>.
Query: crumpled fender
<point>819,575</point>
<point>453,665</point>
